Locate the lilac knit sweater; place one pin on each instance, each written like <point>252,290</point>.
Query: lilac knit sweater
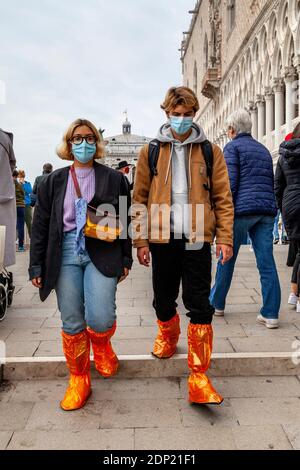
<point>86,181</point>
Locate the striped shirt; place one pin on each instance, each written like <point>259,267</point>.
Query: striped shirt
<point>86,181</point>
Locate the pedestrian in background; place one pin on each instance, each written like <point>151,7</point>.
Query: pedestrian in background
<point>28,209</point>
<point>287,190</point>
<point>8,196</point>
<point>251,175</point>
<point>47,170</point>
<point>276,235</point>
<point>20,203</point>
<point>124,168</point>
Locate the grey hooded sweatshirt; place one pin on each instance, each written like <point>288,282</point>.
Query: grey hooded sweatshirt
<point>180,166</point>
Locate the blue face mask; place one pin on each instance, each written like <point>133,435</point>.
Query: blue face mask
<point>84,152</point>
<point>181,125</point>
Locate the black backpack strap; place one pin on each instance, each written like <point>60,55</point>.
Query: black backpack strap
<point>153,155</point>
<point>208,153</point>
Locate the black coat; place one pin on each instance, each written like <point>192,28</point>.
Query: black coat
<point>287,186</point>
<point>47,229</point>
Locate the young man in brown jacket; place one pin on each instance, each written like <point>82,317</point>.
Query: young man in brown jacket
<point>179,208</point>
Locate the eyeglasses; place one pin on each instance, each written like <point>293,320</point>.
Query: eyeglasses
<point>78,139</point>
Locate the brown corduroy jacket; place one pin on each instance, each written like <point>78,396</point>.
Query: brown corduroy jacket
<point>152,199</point>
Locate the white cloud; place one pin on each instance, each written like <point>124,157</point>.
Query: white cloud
<point>67,59</point>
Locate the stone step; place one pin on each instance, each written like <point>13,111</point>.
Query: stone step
<point>138,366</point>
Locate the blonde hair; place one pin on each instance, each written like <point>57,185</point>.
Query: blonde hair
<point>21,174</point>
<point>180,96</point>
<point>64,149</point>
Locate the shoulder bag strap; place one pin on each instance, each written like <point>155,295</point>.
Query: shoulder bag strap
<point>75,181</point>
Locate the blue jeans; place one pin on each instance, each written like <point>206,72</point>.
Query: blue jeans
<point>85,296</point>
<point>20,225</point>
<point>260,229</point>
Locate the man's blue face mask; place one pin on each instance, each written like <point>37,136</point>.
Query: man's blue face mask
<point>181,125</point>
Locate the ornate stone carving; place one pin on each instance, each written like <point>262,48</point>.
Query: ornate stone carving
<point>256,6</point>
<point>216,33</point>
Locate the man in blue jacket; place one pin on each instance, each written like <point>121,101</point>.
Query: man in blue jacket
<point>251,176</point>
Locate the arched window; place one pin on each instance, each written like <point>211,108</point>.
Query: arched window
<point>231,13</point>
<point>195,78</point>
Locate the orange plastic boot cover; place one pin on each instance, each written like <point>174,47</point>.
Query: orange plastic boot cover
<point>168,334</point>
<point>106,361</point>
<point>77,352</point>
<point>200,340</point>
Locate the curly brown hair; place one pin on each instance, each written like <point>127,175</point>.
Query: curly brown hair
<point>181,95</point>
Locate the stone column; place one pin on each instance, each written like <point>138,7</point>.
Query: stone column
<point>269,97</point>
<point>254,119</point>
<point>290,101</point>
<point>261,117</point>
<point>279,109</point>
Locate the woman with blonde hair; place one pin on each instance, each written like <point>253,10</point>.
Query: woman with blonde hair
<point>72,252</point>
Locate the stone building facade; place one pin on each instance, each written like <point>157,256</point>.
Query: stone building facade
<point>245,53</point>
<point>125,146</point>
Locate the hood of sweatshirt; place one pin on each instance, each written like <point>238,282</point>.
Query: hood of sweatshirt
<point>290,151</point>
<point>165,135</point>
<point>197,136</point>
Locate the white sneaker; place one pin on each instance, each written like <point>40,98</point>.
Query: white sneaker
<point>298,307</point>
<point>293,299</point>
<point>219,313</point>
<point>271,323</point>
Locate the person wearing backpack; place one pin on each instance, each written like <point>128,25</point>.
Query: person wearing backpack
<point>179,171</point>
<point>251,175</point>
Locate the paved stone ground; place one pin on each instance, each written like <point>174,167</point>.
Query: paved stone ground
<point>32,328</point>
<point>145,414</point>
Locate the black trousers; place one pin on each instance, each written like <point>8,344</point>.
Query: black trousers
<point>296,269</point>
<point>173,263</point>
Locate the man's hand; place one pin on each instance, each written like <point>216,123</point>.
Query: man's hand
<point>37,282</point>
<point>143,255</point>
<point>227,253</point>
<point>125,275</point>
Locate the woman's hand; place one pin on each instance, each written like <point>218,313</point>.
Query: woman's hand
<point>37,282</point>
<point>125,275</point>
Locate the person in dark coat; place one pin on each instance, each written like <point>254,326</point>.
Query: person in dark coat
<point>287,190</point>
<point>47,170</point>
<point>124,168</point>
<point>251,176</point>
<point>83,270</point>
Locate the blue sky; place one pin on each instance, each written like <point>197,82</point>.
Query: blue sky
<point>64,59</point>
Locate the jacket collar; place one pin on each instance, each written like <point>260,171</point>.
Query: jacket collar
<point>243,134</point>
